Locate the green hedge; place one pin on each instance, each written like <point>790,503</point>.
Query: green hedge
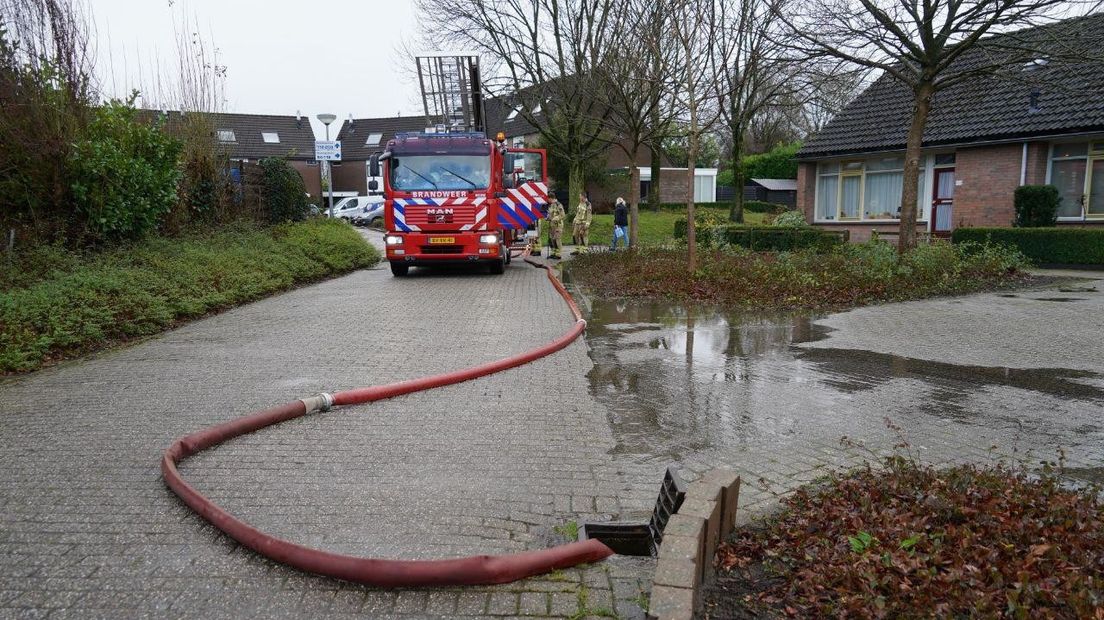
<point>1044,246</point>
<point>766,238</point>
<point>83,301</point>
<point>752,206</point>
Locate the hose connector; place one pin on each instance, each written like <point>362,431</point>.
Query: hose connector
<point>322,402</point>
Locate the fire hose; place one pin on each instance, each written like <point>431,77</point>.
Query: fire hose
<point>474,570</point>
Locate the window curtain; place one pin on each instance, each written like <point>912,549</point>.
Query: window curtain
<point>827,186</point>
<point>883,194</point>
<point>850,198</point>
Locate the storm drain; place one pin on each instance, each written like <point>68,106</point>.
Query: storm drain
<point>641,538</point>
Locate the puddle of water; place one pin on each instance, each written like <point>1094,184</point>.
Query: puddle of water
<point>683,379</point>
<point>1057,298</point>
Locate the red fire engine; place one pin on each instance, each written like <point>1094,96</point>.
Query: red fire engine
<point>457,198</point>
<point>453,195</point>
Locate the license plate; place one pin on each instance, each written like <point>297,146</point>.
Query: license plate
<point>442,239</point>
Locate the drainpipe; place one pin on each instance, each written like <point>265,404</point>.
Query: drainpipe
<point>1023,165</point>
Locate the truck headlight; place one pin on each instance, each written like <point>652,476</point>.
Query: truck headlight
<point>393,240</point>
<point>489,239</point>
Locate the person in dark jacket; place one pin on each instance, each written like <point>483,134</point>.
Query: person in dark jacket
<point>620,223</point>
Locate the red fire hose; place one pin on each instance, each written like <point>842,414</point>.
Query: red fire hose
<point>475,570</point>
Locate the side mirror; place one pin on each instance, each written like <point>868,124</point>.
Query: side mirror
<point>373,185</point>
<point>373,165</point>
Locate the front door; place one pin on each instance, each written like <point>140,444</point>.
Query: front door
<point>943,201</point>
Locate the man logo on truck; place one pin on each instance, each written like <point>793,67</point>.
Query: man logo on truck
<point>440,215</point>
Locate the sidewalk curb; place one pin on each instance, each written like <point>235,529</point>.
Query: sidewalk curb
<point>706,517</point>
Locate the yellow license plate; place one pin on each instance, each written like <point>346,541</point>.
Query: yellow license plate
<point>442,239</point>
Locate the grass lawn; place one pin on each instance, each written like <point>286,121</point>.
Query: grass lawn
<point>655,227</point>
<point>56,303</point>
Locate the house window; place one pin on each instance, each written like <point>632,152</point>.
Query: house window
<point>270,137</point>
<point>513,113</point>
<point>226,135</point>
<point>1077,170</point>
<point>882,188</point>
<point>863,190</point>
<point>373,139</point>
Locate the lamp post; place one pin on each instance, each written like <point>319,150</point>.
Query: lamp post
<point>326,120</point>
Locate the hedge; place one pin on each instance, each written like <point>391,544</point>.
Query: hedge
<point>752,206</point>
<point>766,238</point>
<point>1044,246</point>
<point>78,302</point>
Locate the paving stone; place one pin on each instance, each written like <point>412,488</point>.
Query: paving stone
<point>533,604</point>
<point>503,604</point>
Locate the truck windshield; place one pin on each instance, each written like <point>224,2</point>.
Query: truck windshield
<point>429,172</point>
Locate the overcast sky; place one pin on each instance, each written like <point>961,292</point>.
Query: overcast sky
<point>281,56</point>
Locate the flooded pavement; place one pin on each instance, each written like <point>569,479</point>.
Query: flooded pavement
<point>769,394</point>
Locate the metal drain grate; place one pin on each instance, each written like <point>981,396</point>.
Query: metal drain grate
<point>641,538</point>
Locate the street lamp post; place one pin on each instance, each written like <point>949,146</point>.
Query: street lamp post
<point>326,120</point>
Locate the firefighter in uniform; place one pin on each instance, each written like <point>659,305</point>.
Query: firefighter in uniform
<point>556,217</point>
<point>584,213</point>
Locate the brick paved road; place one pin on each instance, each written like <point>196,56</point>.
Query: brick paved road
<point>87,528</point>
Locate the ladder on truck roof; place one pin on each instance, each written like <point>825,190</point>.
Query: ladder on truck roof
<point>452,94</point>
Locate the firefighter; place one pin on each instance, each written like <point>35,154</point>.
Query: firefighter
<point>556,217</point>
<point>584,213</point>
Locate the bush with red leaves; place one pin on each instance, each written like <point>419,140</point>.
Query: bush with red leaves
<point>914,541</point>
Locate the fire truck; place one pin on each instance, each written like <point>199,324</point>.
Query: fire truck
<point>452,194</point>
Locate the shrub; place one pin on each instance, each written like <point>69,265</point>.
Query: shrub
<point>85,302</point>
<point>123,174</point>
<point>840,276</point>
<point>763,238</point>
<point>1036,206</point>
<point>778,163</point>
<point>283,193</point>
<point>754,206</point>
<point>1043,246</point>
<point>910,540</point>
<point>791,219</point>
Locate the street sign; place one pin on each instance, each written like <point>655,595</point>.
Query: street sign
<point>327,150</point>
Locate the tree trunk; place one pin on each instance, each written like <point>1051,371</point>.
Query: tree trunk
<point>906,238</point>
<point>575,185</point>
<point>653,185</point>
<point>634,197</point>
<point>691,232</point>
<point>736,212</point>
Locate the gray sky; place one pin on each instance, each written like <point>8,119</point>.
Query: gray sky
<point>280,57</point>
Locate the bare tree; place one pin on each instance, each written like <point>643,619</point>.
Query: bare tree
<point>544,56</point>
<point>694,25</point>
<point>926,45</point>
<point>762,80</point>
<point>633,85</point>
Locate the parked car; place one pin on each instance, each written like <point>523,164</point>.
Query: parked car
<point>347,208</point>
<point>372,214</point>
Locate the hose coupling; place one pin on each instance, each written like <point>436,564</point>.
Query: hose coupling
<point>322,402</point>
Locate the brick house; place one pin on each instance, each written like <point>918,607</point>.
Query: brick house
<point>360,138</point>
<point>1041,122</point>
<point>249,138</point>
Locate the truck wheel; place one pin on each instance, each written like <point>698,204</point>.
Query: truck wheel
<point>498,267</point>
<point>399,269</point>
<point>506,253</point>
